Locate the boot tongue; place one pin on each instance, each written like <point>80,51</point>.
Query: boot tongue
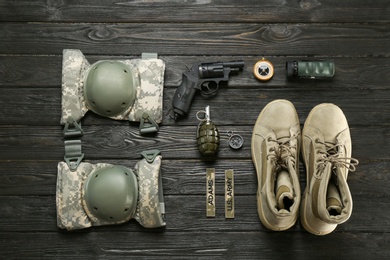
<point>333,200</point>
<point>284,191</point>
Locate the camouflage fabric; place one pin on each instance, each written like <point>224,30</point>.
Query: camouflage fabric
<point>74,66</point>
<point>149,80</point>
<point>73,214</point>
<point>150,212</point>
<point>149,99</point>
<point>70,211</point>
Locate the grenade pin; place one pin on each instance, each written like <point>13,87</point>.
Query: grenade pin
<point>206,114</point>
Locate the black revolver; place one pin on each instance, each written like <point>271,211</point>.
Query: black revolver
<point>206,78</point>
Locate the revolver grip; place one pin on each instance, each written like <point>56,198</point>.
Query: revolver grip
<point>183,97</point>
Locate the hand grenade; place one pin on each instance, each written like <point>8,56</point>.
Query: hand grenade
<point>207,134</point>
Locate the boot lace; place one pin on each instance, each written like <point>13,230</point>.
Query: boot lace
<point>332,155</point>
<point>283,153</point>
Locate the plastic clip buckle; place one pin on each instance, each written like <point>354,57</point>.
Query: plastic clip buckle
<point>150,155</point>
<point>148,124</point>
<point>73,154</point>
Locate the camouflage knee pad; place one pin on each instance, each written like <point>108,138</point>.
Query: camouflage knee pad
<point>119,89</point>
<point>73,212</point>
<point>148,81</point>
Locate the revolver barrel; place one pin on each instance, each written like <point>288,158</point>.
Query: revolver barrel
<point>217,69</point>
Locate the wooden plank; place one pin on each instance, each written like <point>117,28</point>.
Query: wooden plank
<point>351,73</point>
<point>30,71</point>
<point>198,245</point>
<point>197,39</point>
<point>195,11</point>
<point>231,106</point>
<point>187,213</point>
<point>124,142</point>
<point>184,177</point>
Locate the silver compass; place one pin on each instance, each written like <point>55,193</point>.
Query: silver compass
<point>235,140</point>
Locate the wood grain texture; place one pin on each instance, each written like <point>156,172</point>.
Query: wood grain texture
<point>200,245</point>
<point>354,34</point>
<point>269,11</point>
<point>197,39</point>
<point>16,215</point>
<point>225,107</point>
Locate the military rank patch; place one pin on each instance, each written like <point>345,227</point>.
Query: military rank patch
<point>210,192</point>
<point>229,194</point>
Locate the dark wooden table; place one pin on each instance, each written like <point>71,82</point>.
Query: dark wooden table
<point>354,34</point>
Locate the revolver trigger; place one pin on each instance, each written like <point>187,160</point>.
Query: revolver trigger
<point>209,88</point>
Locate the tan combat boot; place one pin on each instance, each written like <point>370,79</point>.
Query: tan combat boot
<point>326,151</point>
<point>275,154</point>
